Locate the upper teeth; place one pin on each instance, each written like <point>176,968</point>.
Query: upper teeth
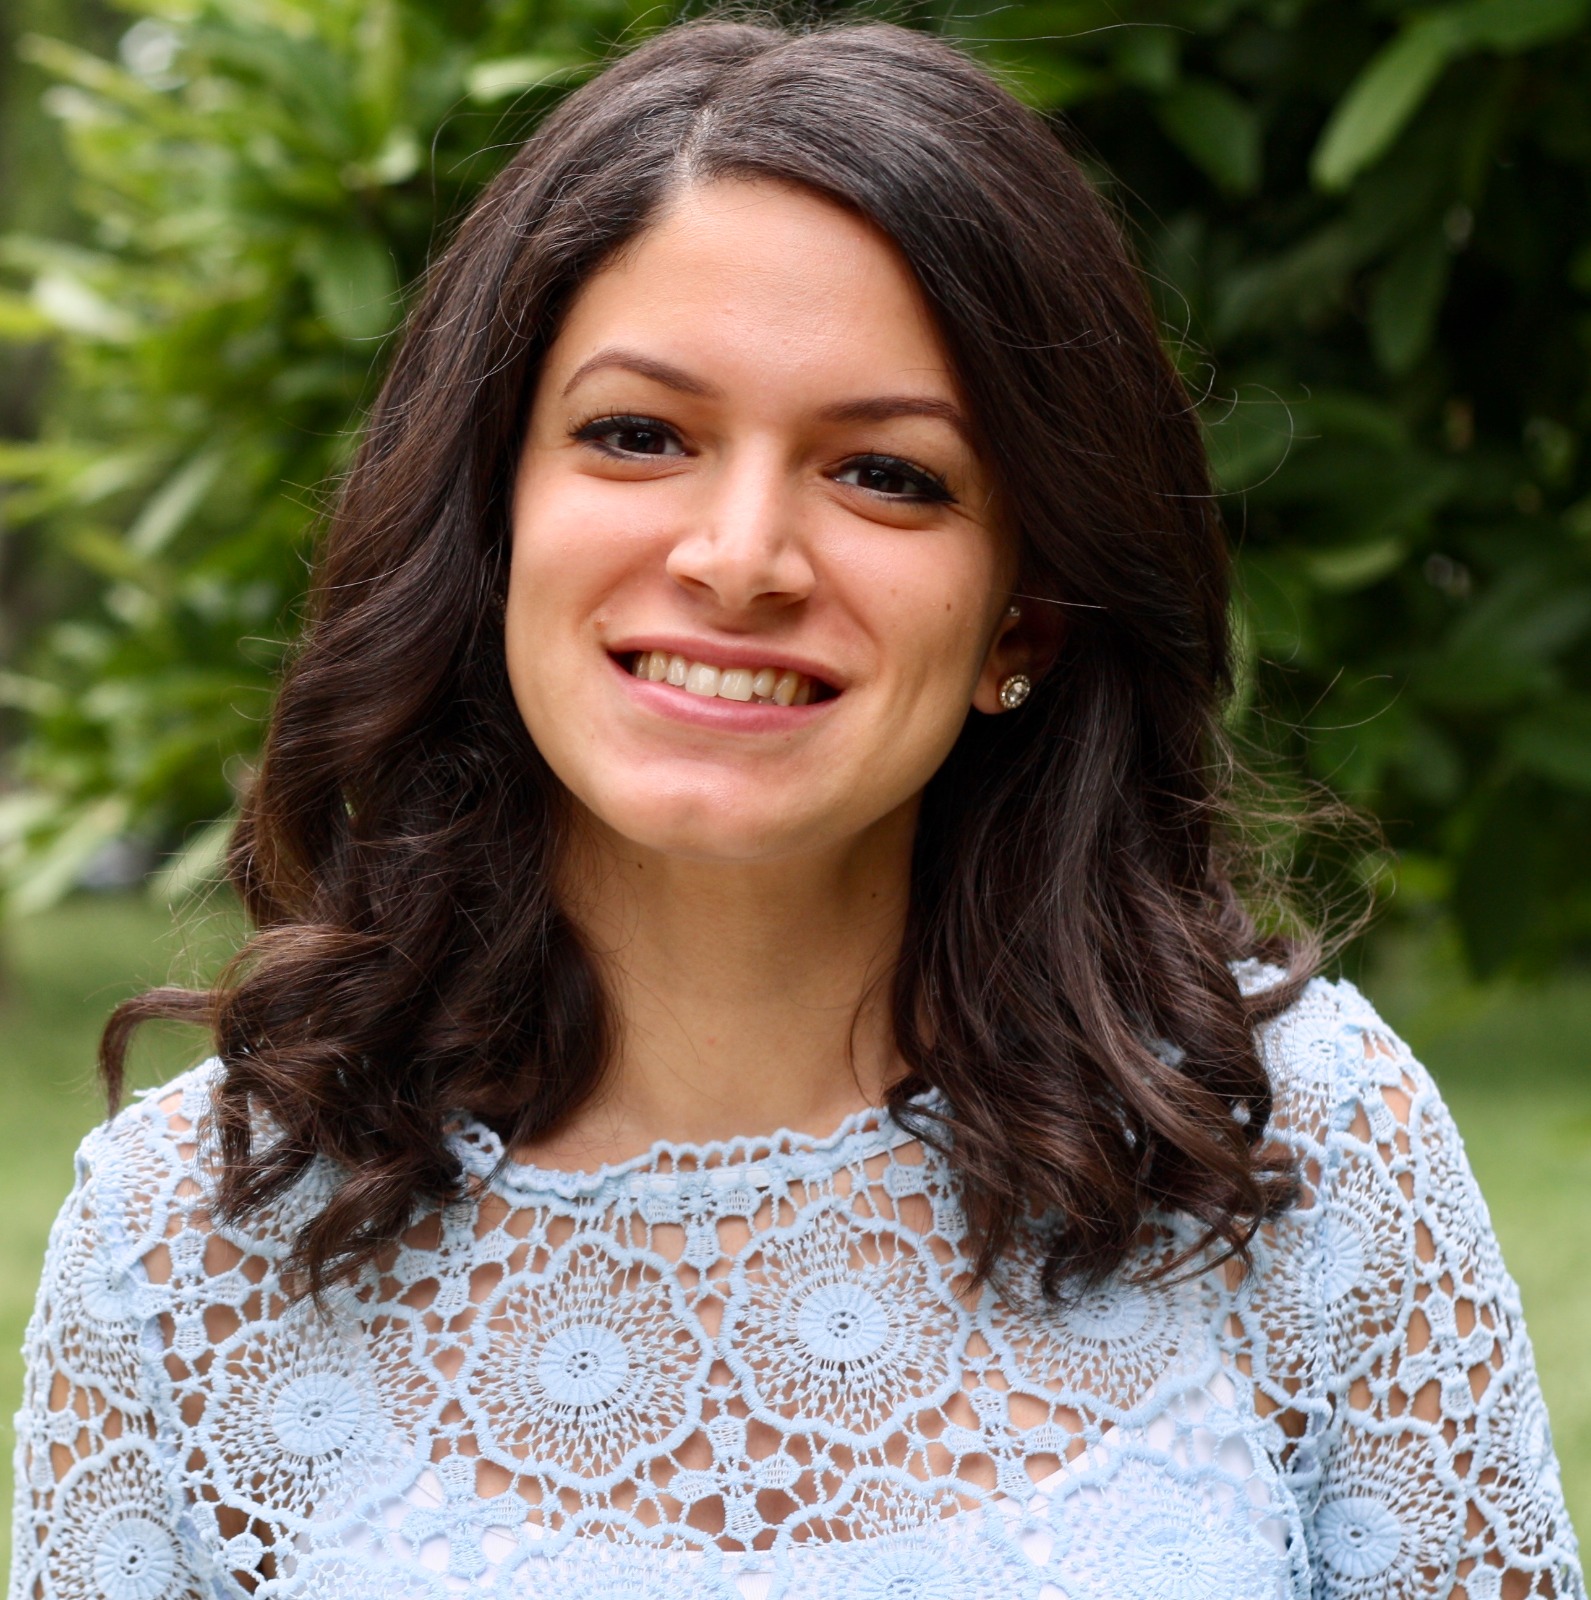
<point>766,685</point>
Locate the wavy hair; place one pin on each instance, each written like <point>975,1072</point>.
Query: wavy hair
<point>1066,979</point>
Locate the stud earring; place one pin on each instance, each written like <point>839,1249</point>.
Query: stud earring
<point>1014,690</point>
<point>1014,612</point>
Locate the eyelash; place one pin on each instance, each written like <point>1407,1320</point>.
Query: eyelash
<point>593,432</point>
<point>932,489</point>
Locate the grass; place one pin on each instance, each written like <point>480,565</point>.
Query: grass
<point>1515,1066</point>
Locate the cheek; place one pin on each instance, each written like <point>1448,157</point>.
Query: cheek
<point>932,594</point>
<point>562,538</point>
<point>928,598</point>
<point>558,569</point>
<point>573,548</point>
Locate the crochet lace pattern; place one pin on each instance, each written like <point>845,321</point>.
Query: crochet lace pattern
<point>754,1371</point>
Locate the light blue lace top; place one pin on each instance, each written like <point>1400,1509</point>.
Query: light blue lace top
<point>745,1372</point>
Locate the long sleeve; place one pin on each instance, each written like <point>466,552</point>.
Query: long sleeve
<point>96,1517</point>
<point>1438,1474</point>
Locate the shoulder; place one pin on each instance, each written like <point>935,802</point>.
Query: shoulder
<point>1333,1060</point>
<point>1363,1116</point>
<point>134,1165</point>
<point>147,1176</point>
<point>1387,1209</point>
<point>133,1178</point>
<point>1383,1167</point>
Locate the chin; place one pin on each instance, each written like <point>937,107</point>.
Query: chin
<point>715,828</point>
<point>727,839</point>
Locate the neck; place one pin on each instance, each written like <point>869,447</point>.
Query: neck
<point>749,997</point>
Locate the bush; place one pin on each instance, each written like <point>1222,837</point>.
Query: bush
<point>1368,223</point>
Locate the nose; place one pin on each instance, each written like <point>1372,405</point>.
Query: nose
<point>744,548</point>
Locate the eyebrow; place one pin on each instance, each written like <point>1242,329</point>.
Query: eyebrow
<point>671,377</point>
<point>877,408</point>
<point>886,407</point>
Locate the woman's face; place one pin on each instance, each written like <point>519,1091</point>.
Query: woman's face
<point>757,581</point>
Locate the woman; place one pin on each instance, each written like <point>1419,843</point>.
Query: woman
<point>752,1078</point>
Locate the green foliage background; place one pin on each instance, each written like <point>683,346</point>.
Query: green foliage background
<point>1369,224</point>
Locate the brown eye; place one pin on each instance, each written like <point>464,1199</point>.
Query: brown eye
<point>631,436</point>
<point>893,479</point>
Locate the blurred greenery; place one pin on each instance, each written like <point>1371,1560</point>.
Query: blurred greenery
<point>1511,1061</point>
<point>1369,226</point>
<point>1367,221</point>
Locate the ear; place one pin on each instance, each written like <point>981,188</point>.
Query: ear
<point>1022,643</point>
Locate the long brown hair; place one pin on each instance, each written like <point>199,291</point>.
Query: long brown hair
<point>1066,978</point>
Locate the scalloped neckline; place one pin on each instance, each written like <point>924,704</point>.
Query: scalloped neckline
<point>868,1131</point>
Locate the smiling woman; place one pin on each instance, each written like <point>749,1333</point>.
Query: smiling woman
<point>753,1077</point>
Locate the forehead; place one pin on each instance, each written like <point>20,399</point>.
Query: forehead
<point>756,278</point>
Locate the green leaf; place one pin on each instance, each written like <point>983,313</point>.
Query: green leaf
<point>1216,130</point>
<point>33,695</point>
<point>1511,25</point>
<point>1429,763</point>
<point>197,866</point>
<point>22,460</point>
<point>356,286</point>
<point>1245,660</point>
<point>1353,566</point>
<point>1146,55</point>
<point>173,503</point>
<point>1342,414</point>
<point>1555,743</point>
<point>1299,282</point>
<point>1045,79</point>
<point>82,67</point>
<point>489,81</point>
<point>71,305</point>
<point>1406,300</point>
<point>398,159</point>
<point>1392,87</point>
<point>1248,439</point>
<point>21,319</point>
<point>1501,651</point>
<point>52,871</point>
<point>109,473</point>
<point>1382,98</point>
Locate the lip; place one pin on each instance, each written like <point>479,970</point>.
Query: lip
<point>726,716</point>
<point>727,653</point>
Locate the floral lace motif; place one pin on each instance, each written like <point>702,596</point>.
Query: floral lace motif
<point>752,1371</point>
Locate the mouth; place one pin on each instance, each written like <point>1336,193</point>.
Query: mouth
<point>763,686</point>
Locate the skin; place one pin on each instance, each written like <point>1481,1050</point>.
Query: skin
<point>713,460</point>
